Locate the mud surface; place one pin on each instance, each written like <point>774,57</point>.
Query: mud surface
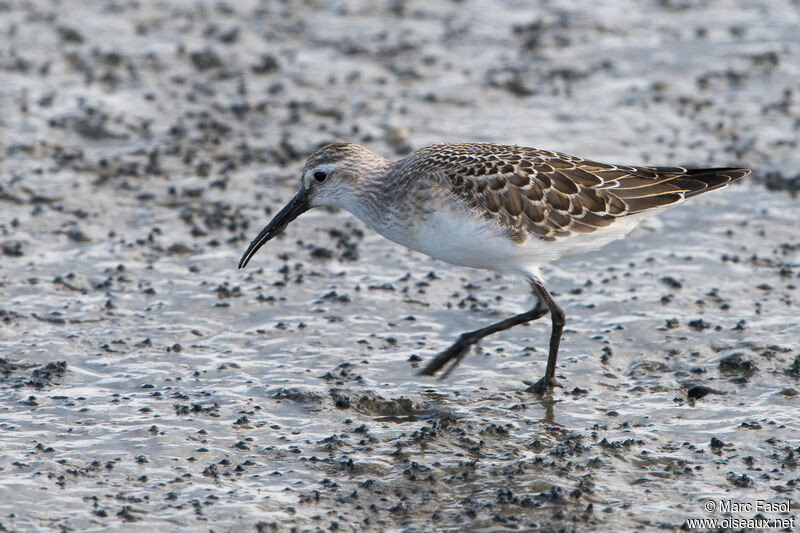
<point>147,385</point>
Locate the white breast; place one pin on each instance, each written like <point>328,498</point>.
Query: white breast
<point>457,236</point>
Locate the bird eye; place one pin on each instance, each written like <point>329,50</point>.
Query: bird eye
<point>320,176</point>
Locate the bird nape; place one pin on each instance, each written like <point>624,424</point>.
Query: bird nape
<point>509,209</point>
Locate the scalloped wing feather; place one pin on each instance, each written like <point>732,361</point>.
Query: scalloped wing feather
<point>551,195</point>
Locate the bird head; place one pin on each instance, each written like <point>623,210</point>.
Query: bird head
<point>332,176</point>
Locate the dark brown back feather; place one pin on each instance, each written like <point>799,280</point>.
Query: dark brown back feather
<point>551,195</point>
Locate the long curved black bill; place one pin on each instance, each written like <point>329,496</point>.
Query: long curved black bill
<point>296,207</point>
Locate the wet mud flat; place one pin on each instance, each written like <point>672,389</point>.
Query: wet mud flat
<point>147,384</point>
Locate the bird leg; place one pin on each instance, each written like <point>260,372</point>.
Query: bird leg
<point>459,349</point>
<point>559,318</point>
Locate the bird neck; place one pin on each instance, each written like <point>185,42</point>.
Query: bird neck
<point>374,195</point>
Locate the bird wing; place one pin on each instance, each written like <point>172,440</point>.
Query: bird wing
<point>552,195</point>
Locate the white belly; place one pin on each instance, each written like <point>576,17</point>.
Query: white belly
<point>457,237</point>
<point>460,240</point>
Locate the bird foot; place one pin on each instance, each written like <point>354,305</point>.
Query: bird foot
<point>543,386</point>
<point>454,353</point>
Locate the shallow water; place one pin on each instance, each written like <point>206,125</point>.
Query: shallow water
<point>196,396</point>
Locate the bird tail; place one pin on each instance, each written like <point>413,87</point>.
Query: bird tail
<point>652,187</point>
<point>699,180</point>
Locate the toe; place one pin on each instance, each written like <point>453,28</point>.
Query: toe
<point>542,386</point>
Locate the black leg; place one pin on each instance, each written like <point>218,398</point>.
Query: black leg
<point>559,318</point>
<point>459,349</point>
